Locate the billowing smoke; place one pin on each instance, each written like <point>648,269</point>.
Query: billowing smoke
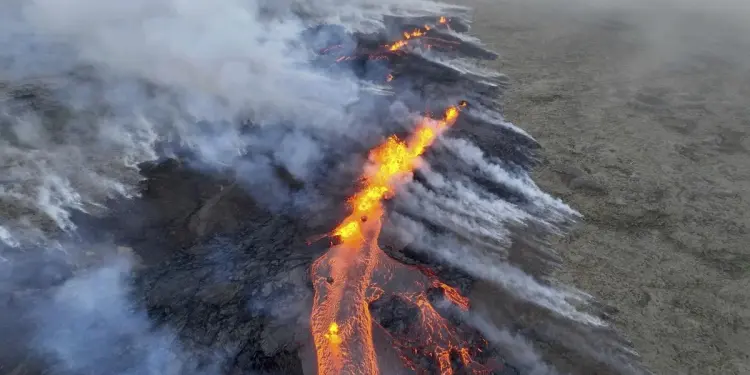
<point>115,79</point>
<point>491,266</point>
<point>89,90</point>
<point>91,325</point>
<point>515,346</point>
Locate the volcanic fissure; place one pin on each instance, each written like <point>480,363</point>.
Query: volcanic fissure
<point>356,272</point>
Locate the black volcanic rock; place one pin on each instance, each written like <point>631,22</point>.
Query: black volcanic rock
<point>244,298</point>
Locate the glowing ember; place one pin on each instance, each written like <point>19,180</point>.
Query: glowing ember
<point>344,277</point>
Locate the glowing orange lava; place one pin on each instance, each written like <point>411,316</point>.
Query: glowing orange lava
<point>453,295</point>
<point>407,36</point>
<point>397,46</point>
<point>341,324</point>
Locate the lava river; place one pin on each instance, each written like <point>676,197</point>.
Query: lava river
<point>355,272</point>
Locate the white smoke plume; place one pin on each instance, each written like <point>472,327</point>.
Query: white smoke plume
<point>489,265</point>
<point>90,325</point>
<point>516,347</point>
<point>110,80</point>
<point>554,209</point>
<point>118,80</point>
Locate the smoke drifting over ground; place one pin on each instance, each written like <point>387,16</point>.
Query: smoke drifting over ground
<point>91,325</point>
<point>91,90</point>
<point>123,76</point>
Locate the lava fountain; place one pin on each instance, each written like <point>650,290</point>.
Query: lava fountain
<point>356,272</point>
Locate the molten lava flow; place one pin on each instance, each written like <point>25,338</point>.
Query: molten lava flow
<point>452,295</point>
<point>341,323</point>
<point>397,47</point>
<point>421,33</point>
<point>390,164</point>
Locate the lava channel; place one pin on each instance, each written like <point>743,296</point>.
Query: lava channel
<point>355,272</point>
<point>420,34</point>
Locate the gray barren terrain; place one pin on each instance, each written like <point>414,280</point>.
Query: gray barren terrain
<point>642,110</point>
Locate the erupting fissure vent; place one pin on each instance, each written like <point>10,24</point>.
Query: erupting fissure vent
<point>424,36</point>
<point>356,278</point>
<point>356,272</point>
